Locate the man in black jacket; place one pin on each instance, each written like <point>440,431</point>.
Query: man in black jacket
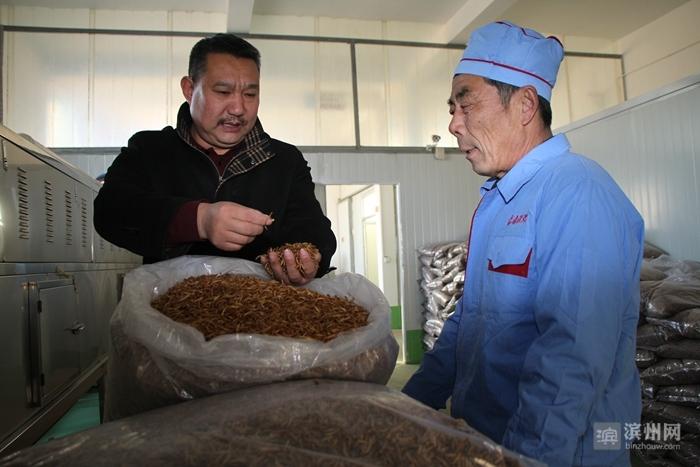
<point>217,184</point>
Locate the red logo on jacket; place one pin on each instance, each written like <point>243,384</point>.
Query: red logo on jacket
<point>517,219</point>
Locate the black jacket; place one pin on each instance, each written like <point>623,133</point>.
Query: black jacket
<point>159,171</point>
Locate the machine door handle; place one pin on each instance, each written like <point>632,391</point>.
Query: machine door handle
<point>77,328</point>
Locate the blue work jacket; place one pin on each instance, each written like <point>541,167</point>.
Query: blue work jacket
<point>541,346</point>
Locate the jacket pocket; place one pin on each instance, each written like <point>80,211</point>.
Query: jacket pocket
<point>510,255</point>
<point>510,283</point>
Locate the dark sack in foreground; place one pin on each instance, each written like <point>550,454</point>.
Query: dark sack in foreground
<point>299,423</point>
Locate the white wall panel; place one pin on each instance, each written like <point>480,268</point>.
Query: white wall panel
<point>402,94</point>
<point>651,146</point>
<point>306,92</point>
<point>137,20</point>
<point>131,85</point>
<point>198,21</point>
<point>52,17</point>
<point>663,51</point>
<point>93,164</point>
<point>178,64</point>
<point>46,87</point>
<point>290,25</point>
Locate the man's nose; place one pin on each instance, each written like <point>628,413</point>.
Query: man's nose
<point>236,105</point>
<point>456,125</point>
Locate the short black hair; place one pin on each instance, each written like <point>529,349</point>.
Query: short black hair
<point>220,43</point>
<point>505,92</point>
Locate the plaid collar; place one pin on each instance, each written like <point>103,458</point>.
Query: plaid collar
<point>255,148</point>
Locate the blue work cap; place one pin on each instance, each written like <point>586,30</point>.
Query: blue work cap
<point>511,54</point>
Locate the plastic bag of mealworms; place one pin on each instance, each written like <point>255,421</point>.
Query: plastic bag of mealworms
<point>156,361</point>
<point>299,423</point>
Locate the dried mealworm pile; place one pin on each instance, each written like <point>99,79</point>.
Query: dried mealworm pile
<point>295,248</point>
<point>232,304</point>
<point>379,430</point>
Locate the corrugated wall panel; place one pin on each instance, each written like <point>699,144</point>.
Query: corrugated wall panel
<point>651,146</point>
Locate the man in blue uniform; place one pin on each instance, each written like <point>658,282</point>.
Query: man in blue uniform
<point>539,354</point>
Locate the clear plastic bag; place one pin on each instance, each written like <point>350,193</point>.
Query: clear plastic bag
<point>155,361</point>
<point>299,423</point>
<point>456,262</point>
<point>426,261</point>
<point>449,276</point>
<point>440,298</point>
<point>426,274</point>
<point>429,341</point>
<point>446,284</point>
<point>453,288</point>
<point>433,327</point>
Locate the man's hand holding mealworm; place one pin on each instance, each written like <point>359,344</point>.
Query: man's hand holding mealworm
<point>230,226</point>
<point>295,264</point>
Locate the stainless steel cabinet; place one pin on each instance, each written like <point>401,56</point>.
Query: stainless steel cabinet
<point>15,389</point>
<point>59,284</point>
<point>54,332</point>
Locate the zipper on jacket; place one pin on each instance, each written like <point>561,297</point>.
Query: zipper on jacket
<point>221,179</point>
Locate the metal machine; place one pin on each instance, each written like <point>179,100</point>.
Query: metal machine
<point>59,284</point>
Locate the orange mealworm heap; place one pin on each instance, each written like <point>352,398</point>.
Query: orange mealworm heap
<point>230,304</point>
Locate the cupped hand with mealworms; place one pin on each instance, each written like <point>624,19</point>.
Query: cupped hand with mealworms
<point>295,263</point>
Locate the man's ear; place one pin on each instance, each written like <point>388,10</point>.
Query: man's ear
<point>529,104</point>
<point>187,87</point>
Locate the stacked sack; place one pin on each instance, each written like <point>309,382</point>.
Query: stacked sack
<point>668,353</point>
<point>442,284</point>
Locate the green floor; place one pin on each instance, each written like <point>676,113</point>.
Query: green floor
<point>400,375</point>
<point>83,415</point>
